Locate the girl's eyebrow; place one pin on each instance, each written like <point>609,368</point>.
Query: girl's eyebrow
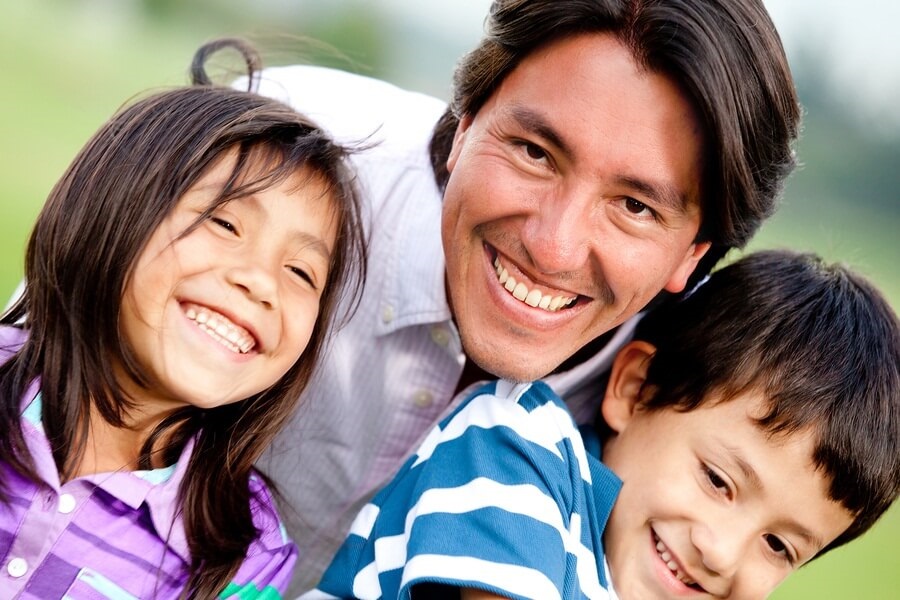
<point>304,238</point>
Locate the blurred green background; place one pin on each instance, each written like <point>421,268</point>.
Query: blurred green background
<point>67,65</point>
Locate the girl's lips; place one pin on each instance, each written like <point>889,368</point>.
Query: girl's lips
<point>222,328</point>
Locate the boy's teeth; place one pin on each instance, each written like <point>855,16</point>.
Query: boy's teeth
<point>532,298</point>
<point>673,566</point>
<point>220,328</point>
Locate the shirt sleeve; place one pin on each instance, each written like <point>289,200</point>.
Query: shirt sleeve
<point>267,570</point>
<point>486,503</point>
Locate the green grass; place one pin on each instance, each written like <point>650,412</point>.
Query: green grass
<point>66,71</point>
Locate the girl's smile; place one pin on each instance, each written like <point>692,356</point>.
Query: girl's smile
<point>223,312</point>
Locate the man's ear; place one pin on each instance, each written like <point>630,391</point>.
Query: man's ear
<point>623,391</point>
<point>685,268</point>
<point>459,139</point>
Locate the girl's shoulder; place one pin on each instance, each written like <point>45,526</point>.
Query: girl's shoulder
<point>11,339</point>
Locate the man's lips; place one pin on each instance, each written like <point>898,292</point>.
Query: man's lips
<point>528,292</point>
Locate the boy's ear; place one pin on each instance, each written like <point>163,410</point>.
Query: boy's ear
<point>629,371</point>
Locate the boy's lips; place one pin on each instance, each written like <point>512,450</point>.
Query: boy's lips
<point>221,328</point>
<point>674,565</point>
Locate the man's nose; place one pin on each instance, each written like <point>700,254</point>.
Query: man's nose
<point>559,234</point>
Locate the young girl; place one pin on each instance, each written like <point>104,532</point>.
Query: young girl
<point>181,279</point>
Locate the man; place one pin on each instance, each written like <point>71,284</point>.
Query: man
<point>594,154</point>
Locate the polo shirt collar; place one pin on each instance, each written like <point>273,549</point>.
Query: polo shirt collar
<point>158,488</point>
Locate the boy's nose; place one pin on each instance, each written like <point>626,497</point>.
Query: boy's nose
<point>721,548</point>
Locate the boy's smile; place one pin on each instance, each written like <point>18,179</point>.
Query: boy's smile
<point>223,312</point>
<point>711,506</point>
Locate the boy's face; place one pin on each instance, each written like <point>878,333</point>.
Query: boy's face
<point>711,506</point>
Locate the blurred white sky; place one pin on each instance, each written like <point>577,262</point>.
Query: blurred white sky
<point>857,38</point>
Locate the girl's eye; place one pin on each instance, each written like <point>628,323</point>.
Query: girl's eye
<point>226,225</point>
<point>304,276</point>
<point>777,546</point>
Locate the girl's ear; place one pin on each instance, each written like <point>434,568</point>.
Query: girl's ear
<point>629,371</point>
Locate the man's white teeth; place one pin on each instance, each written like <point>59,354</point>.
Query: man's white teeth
<point>670,562</point>
<point>533,298</point>
<point>220,328</point>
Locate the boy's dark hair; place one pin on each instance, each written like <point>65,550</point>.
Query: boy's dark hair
<point>726,57</point>
<point>82,252</point>
<point>818,341</point>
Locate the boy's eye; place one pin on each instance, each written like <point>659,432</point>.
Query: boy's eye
<point>779,547</point>
<point>716,480</point>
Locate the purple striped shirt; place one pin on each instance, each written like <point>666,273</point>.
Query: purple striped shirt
<point>114,535</point>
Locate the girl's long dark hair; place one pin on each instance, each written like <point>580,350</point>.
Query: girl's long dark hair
<point>79,259</point>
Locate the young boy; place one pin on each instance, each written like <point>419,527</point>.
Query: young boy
<point>745,431</point>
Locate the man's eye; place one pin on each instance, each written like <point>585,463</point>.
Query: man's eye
<point>227,225</point>
<point>635,207</point>
<point>534,151</point>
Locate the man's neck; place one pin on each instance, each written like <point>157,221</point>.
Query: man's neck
<point>472,372</point>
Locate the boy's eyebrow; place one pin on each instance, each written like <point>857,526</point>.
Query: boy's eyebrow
<point>753,479</point>
<point>667,196</point>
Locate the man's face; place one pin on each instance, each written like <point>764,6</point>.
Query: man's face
<point>573,199</point>
<point>711,506</point>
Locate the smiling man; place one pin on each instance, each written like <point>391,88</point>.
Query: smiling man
<point>594,154</point>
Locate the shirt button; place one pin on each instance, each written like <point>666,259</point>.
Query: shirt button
<point>17,567</point>
<point>66,503</point>
<point>387,313</point>
<point>440,336</point>
<point>423,399</point>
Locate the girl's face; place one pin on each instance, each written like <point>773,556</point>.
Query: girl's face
<point>222,313</point>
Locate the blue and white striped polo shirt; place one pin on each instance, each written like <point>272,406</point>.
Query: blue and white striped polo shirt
<point>501,496</point>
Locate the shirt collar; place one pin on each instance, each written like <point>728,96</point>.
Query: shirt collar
<point>605,488</point>
<point>157,487</point>
<point>413,291</point>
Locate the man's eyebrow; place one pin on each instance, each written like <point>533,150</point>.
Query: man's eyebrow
<point>666,196</point>
<point>535,122</point>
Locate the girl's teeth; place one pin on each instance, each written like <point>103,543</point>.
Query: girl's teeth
<point>532,298</point>
<point>220,328</point>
